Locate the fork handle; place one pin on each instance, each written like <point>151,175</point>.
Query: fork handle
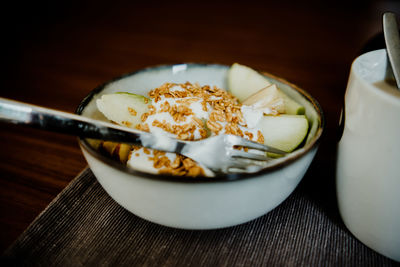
<point>63,122</point>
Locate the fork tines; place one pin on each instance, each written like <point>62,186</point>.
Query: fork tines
<point>254,145</point>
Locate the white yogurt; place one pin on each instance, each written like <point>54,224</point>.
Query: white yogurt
<point>141,161</point>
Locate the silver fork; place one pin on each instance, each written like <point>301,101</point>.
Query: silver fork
<point>218,153</point>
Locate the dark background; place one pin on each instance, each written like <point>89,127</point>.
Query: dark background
<point>55,52</point>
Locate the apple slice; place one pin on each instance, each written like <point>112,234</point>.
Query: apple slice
<point>285,132</point>
<point>123,108</point>
<point>269,99</point>
<point>244,81</point>
<point>291,106</point>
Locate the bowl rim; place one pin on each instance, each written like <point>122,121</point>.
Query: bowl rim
<point>294,156</point>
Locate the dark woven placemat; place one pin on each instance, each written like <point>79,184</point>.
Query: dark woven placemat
<point>83,226</point>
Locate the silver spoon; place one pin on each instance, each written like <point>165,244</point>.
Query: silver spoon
<point>392,40</point>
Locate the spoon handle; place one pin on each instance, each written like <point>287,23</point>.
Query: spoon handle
<point>392,40</point>
<point>63,122</point>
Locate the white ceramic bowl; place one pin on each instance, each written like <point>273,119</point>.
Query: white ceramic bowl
<point>199,203</point>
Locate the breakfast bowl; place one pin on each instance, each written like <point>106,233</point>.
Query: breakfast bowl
<point>201,202</point>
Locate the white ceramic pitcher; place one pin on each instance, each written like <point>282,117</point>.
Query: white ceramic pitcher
<point>368,166</point>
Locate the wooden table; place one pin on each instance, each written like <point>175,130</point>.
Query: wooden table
<point>55,54</point>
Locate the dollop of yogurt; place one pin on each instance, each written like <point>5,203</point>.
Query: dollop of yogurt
<point>191,112</point>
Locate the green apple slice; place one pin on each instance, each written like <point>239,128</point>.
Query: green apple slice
<point>269,97</point>
<point>123,108</point>
<point>244,82</point>
<point>291,106</point>
<point>285,132</point>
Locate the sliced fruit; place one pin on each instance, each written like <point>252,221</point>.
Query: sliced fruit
<point>269,99</point>
<point>95,143</point>
<point>244,81</point>
<point>285,132</point>
<point>123,108</point>
<point>118,151</point>
<point>291,106</point>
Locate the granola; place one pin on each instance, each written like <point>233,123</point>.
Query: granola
<point>190,112</point>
